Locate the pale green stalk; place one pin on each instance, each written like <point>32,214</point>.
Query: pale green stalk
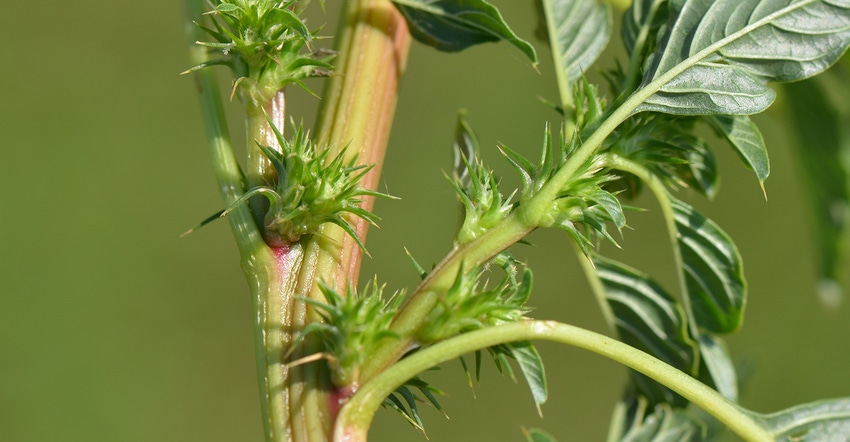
<point>355,417</point>
<point>657,187</point>
<point>258,262</point>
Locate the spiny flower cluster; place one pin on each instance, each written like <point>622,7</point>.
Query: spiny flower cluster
<point>353,327</point>
<point>312,189</point>
<point>476,186</point>
<point>583,206</point>
<point>470,305</point>
<point>264,43</point>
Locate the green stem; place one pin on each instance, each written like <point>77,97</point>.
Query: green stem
<point>355,417</point>
<point>512,229</point>
<point>409,319</point>
<point>637,53</point>
<point>558,61</point>
<point>663,197</point>
<point>259,263</point>
<point>596,287</point>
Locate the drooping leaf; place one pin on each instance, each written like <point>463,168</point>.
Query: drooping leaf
<point>713,271</point>
<point>718,364</point>
<point>647,318</point>
<point>531,365</point>
<point>744,136</point>
<point>822,140</point>
<point>716,56</point>
<point>454,25</point>
<point>581,30</point>
<point>827,420</point>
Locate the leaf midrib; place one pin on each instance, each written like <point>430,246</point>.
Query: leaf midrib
<point>691,61</point>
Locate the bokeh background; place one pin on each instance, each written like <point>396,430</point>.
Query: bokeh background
<point>112,328</point>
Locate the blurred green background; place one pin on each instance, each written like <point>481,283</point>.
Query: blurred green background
<point>114,329</point>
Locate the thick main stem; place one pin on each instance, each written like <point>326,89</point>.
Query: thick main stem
<point>358,106</point>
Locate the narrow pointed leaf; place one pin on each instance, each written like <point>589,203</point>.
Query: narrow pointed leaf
<point>454,25</point>
<point>827,420</point>
<point>822,140</point>
<point>582,30</point>
<point>647,318</point>
<point>464,150</point>
<point>713,271</point>
<point>716,56</point>
<point>744,136</point>
<point>531,365</point>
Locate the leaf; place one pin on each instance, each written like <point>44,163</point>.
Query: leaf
<point>713,271</point>
<point>816,421</point>
<point>642,17</point>
<point>582,29</point>
<point>538,435</point>
<point>464,150</point>
<point>718,363</point>
<point>411,412</point>
<point>649,319</point>
<point>665,425</point>
<point>822,140</point>
<point>454,25</point>
<point>635,421</point>
<point>744,136</point>
<point>700,170</point>
<point>531,364</point>
<point>716,56</point>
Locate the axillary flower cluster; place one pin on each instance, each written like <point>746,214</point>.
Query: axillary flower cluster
<point>268,46</point>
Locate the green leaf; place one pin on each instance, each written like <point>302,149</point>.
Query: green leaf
<point>582,29</point>
<point>713,270</point>
<point>700,170</point>
<point>410,413</point>
<point>639,22</point>
<point>816,421</point>
<point>454,25</point>
<point>635,421</point>
<point>822,140</point>
<point>649,319</point>
<point>716,56</point>
<point>665,425</point>
<point>744,136</point>
<point>464,150</point>
<point>719,366</point>
<point>531,364</point>
<point>538,435</point>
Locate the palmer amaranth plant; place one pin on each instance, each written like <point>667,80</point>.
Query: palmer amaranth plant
<point>330,354</point>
